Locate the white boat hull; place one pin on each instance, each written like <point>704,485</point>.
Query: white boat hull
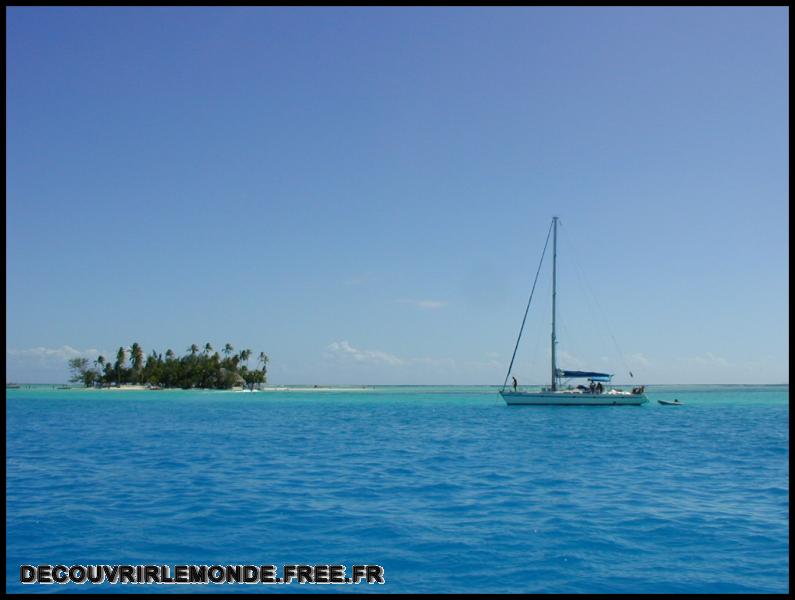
<point>572,399</point>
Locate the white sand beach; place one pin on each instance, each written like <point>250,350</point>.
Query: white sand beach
<point>311,389</point>
<point>139,388</point>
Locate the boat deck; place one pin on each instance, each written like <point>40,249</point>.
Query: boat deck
<point>567,398</point>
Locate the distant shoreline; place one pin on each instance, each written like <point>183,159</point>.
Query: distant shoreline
<point>349,387</point>
<point>143,388</point>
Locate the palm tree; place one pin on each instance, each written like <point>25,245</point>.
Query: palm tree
<point>135,353</point>
<point>108,373</point>
<point>228,349</point>
<point>169,354</point>
<point>136,358</point>
<point>207,348</point>
<point>120,358</point>
<point>193,349</point>
<point>149,368</point>
<point>245,354</point>
<point>263,358</point>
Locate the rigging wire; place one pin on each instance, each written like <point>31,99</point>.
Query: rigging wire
<point>529,300</point>
<point>569,341</point>
<point>587,288</point>
<point>542,308</point>
<point>568,337</point>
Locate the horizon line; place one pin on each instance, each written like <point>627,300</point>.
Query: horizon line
<point>413,384</point>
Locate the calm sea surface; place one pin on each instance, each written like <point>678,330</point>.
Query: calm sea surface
<point>446,488</point>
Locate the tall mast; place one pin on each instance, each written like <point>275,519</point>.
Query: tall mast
<point>554,272</point>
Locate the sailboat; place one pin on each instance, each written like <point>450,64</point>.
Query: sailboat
<point>562,394</point>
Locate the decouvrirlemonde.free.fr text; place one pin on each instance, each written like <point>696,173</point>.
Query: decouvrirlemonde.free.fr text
<point>199,574</point>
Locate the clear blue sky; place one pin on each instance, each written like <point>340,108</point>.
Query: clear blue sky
<point>364,193</point>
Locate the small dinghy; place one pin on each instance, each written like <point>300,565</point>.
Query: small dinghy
<point>670,402</point>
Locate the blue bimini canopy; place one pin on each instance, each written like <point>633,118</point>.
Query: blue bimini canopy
<point>585,375</point>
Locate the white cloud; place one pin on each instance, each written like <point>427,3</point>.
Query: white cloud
<point>344,350</point>
<point>447,363</point>
<point>46,354</point>
<point>424,304</point>
<point>752,365</point>
<point>492,361</point>
<point>707,360</point>
<point>44,365</point>
<point>489,364</point>
<point>571,361</point>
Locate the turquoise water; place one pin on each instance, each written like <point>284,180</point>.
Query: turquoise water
<point>446,488</point>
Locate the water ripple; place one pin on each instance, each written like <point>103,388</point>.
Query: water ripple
<point>448,491</point>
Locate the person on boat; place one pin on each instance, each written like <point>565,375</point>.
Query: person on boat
<point>591,387</point>
<point>514,383</point>
<point>599,388</point>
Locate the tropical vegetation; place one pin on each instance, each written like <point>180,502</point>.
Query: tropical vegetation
<point>196,369</point>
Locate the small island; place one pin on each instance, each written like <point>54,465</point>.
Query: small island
<point>204,369</point>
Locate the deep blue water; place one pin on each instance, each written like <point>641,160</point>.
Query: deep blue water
<point>448,489</point>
